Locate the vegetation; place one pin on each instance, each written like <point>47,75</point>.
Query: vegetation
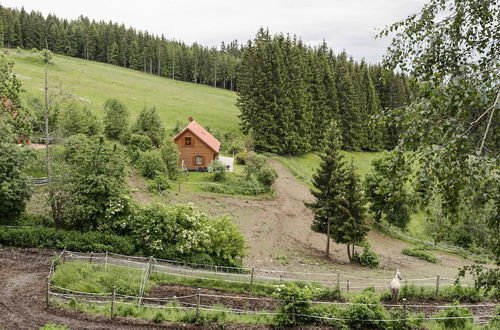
<point>151,164</point>
<point>116,119</point>
<point>367,259</point>
<point>76,118</point>
<point>113,43</point>
<point>218,169</point>
<point>339,205</point>
<point>453,122</point>
<point>44,237</point>
<point>180,232</point>
<point>420,253</point>
<point>289,93</point>
<point>170,156</point>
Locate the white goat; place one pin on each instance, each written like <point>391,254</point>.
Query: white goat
<point>394,286</point>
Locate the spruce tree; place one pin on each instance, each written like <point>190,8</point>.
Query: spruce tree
<point>349,226</point>
<point>116,118</point>
<point>329,186</point>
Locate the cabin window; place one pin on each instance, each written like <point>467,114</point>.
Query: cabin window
<point>187,141</point>
<point>198,160</point>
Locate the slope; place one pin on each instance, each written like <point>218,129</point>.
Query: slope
<point>94,82</point>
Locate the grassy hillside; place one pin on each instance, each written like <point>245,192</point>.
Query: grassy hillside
<point>95,82</point>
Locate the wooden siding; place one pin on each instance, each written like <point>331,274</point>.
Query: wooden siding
<point>197,148</point>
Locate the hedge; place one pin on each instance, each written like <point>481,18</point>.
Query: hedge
<point>43,237</point>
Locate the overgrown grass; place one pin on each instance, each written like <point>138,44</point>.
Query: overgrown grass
<point>446,293</point>
<point>170,314</point>
<point>94,83</point>
<point>420,253</point>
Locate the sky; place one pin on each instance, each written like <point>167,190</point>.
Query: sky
<point>343,24</point>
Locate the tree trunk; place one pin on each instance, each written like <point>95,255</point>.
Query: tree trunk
<point>349,252</point>
<point>328,239</point>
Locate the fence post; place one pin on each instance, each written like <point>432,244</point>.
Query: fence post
<point>338,281</point>
<point>47,302</point>
<point>91,255</point>
<point>404,311</point>
<point>106,261</point>
<point>347,284</point>
<point>198,298</point>
<point>251,278</point>
<point>437,284</point>
<point>281,277</point>
<point>113,302</point>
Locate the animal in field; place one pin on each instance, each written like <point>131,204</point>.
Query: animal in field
<point>395,285</point>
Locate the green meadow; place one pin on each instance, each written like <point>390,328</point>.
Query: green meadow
<point>94,83</point>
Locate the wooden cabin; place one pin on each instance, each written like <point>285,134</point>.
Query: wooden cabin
<point>197,147</point>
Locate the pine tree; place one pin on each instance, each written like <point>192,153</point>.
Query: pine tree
<point>349,226</point>
<point>329,186</point>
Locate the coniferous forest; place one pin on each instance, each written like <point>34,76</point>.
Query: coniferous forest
<point>288,92</point>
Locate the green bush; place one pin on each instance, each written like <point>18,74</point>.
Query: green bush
<point>137,144</point>
<point>77,118</point>
<point>397,314</point>
<point>420,253</point>
<point>453,322</point>
<point>446,293</point>
<point>218,169</point>
<point>159,183</point>
<point>241,157</point>
<point>72,240</point>
<point>115,119</point>
<point>180,232</point>
<point>150,164</point>
<point>357,315</point>
<point>297,302</point>
<point>35,220</point>
<point>256,166</point>
<point>368,259</point>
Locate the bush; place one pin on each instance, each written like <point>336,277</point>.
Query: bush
<point>241,157</point>
<point>256,166</point>
<point>35,220</point>
<point>180,232</point>
<point>72,240</point>
<point>218,169</point>
<point>150,124</point>
<point>455,322</point>
<point>150,164</point>
<point>170,156</point>
<point>397,314</point>
<point>297,300</point>
<point>368,259</point>
<point>77,118</point>
<point>159,183</point>
<point>115,119</point>
<point>420,253</point>
<point>137,144</point>
<point>447,293</point>
<point>357,313</point>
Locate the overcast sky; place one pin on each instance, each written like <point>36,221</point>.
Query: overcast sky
<point>344,24</point>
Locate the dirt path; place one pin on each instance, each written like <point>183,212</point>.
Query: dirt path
<point>22,300</point>
<point>279,235</point>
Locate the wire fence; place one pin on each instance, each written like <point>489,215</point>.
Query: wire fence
<point>196,301</point>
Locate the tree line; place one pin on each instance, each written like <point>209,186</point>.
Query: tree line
<point>114,43</point>
<point>289,93</point>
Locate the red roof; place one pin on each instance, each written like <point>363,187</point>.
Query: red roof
<point>202,134</point>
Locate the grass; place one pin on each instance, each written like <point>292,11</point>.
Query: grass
<point>420,253</point>
<point>95,82</point>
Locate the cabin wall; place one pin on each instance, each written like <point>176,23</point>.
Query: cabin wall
<point>197,148</point>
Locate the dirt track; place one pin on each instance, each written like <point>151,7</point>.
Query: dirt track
<point>22,299</point>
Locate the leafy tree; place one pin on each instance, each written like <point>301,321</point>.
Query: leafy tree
<point>452,47</point>
<point>170,155</point>
<point>218,169</point>
<point>150,124</point>
<point>137,144</point>
<point>387,191</point>
<point>329,186</point>
<point>95,185</point>
<point>77,118</point>
<point>257,167</point>
<point>15,187</point>
<point>116,117</point>
<point>151,164</point>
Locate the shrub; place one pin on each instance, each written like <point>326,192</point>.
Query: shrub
<point>297,302</point>
<point>420,253</point>
<point>355,314</point>
<point>72,240</point>
<point>35,220</point>
<point>150,124</point>
<point>170,156</point>
<point>180,232</point>
<point>241,157</point>
<point>159,183</point>
<point>150,164</point>
<point>77,118</point>
<point>397,314</point>
<point>115,119</point>
<point>256,166</point>
<point>218,169</point>
<point>137,144</point>
<point>453,321</point>
<point>368,259</point>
